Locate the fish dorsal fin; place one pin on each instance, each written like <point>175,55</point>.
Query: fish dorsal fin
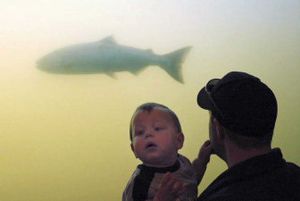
<point>149,51</point>
<point>111,74</point>
<point>108,40</point>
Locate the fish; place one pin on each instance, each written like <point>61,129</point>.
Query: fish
<point>108,57</point>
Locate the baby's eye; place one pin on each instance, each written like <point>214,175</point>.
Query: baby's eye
<point>138,132</point>
<point>159,128</point>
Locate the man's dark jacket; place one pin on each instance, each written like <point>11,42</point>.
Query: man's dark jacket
<point>262,178</point>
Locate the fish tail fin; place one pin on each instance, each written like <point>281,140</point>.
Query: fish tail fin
<point>173,64</point>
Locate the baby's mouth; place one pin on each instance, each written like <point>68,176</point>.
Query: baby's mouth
<point>150,145</point>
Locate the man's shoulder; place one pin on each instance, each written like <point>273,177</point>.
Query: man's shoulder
<point>293,167</point>
<point>249,198</point>
<point>277,182</point>
<point>293,174</point>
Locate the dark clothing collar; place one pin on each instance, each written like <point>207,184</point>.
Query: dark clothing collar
<point>257,165</point>
<point>149,169</point>
<point>143,180</point>
<point>253,167</point>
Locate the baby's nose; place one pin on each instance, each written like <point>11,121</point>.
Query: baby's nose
<point>149,133</point>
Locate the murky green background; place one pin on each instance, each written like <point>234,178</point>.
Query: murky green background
<point>65,137</point>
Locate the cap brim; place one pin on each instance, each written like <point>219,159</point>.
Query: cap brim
<point>203,100</point>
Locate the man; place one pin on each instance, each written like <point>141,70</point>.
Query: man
<point>243,112</point>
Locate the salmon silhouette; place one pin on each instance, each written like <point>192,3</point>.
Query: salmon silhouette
<point>106,56</point>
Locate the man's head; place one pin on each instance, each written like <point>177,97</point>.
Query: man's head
<point>155,134</point>
<point>244,106</point>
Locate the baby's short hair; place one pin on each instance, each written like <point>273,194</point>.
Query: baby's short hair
<point>148,107</point>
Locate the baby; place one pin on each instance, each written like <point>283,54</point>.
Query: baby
<point>156,137</point>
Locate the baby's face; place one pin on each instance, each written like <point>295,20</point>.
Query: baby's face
<point>155,138</point>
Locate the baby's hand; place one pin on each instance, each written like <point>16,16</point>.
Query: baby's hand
<point>170,188</point>
<point>200,163</point>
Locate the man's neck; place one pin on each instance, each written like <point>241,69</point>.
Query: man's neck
<point>235,155</point>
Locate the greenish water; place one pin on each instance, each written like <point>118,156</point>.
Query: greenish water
<point>65,137</point>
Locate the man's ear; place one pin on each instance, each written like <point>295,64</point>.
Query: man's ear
<point>219,130</point>
<point>180,140</point>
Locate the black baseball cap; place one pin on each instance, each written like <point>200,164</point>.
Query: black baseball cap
<point>241,103</point>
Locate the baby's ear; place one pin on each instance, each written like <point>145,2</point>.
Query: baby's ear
<point>180,140</point>
<point>132,149</point>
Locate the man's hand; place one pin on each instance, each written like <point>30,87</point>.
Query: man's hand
<point>170,188</point>
<point>200,163</point>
